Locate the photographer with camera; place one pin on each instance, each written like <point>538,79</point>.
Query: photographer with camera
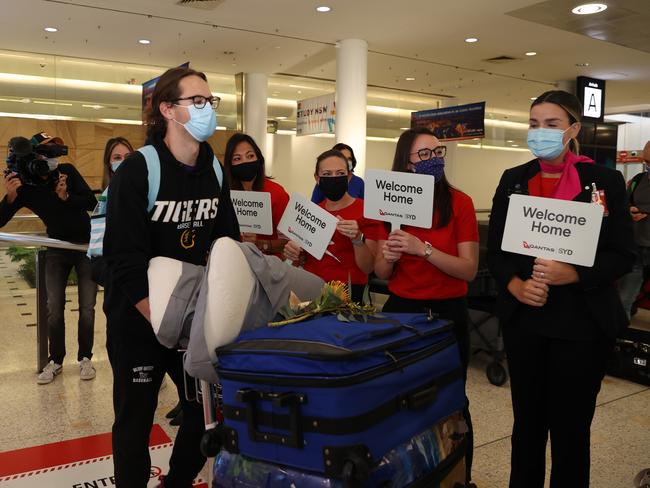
<point>58,194</point>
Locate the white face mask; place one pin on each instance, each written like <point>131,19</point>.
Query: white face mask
<point>116,164</point>
<point>52,164</point>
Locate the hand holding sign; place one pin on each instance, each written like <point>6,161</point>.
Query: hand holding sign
<point>402,242</point>
<point>554,272</point>
<point>399,198</point>
<point>308,225</point>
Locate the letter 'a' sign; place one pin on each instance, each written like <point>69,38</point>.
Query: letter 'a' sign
<point>548,228</point>
<point>308,225</point>
<point>399,198</point>
<point>253,209</point>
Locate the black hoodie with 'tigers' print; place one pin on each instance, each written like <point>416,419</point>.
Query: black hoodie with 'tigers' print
<point>190,212</point>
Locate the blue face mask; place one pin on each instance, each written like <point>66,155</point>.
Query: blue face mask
<point>202,123</point>
<point>546,143</point>
<point>434,167</point>
<point>116,164</point>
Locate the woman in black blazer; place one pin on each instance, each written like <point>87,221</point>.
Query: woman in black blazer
<point>559,320</point>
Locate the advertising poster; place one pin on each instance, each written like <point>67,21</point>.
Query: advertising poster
<point>453,123</point>
<point>147,91</point>
<point>316,115</point>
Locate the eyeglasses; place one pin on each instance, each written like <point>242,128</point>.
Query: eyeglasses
<point>199,101</point>
<point>425,154</point>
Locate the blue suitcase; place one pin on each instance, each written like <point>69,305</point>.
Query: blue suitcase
<point>334,397</point>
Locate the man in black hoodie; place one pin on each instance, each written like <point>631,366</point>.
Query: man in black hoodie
<point>62,199</point>
<point>191,210</point>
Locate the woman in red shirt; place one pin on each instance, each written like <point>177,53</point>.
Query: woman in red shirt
<point>428,269</point>
<point>352,250</point>
<point>244,167</point>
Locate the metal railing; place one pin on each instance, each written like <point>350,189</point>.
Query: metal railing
<point>41,291</point>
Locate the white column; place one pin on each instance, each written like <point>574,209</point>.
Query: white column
<point>255,107</point>
<point>351,97</point>
<point>269,154</point>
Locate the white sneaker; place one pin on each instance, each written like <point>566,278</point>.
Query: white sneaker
<point>86,369</point>
<point>50,370</point>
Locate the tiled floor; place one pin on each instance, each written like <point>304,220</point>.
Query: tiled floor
<point>31,414</point>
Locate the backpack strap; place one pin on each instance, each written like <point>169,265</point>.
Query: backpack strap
<point>153,173</point>
<point>218,171</point>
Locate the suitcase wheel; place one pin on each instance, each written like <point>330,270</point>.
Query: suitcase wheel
<point>496,374</point>
<point>211,442</point>
<point>355,472</point>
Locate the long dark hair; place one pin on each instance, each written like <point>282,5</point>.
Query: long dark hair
<point>442,189</point>
<point>569,103</point>
<point>231,145</point>
<point>340,147</point>
<point>166,90</point>
<point>110,145</point>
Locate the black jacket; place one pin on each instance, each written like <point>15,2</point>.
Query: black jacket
<point>65,220</point>
<point>190,212</point>
<point>582,310</point>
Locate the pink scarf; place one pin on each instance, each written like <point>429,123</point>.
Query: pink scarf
<point>569,185</point>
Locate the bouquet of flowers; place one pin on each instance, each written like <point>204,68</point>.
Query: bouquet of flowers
<point>334,298</point>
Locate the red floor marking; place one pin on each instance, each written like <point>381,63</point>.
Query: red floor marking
<point>66,452</point>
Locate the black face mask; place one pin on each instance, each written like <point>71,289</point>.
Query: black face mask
<point>333,187</point>
<point>245,171</point>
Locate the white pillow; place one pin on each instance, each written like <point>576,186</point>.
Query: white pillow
<point>231,283</point>
<point>163,274</point>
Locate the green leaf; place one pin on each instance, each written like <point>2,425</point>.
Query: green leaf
<point>366,295</point>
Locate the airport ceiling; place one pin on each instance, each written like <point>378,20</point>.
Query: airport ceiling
<point>421,39</point>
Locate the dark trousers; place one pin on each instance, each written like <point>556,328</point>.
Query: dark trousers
<point>58,264</point>
<point>454,309</point>
<point>138,370</point>
<point>554,385</point>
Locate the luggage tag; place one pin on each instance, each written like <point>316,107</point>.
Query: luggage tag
<point>598,197</point>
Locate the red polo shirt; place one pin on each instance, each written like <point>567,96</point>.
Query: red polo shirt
<point>328,268</point>
<point>413,277</point>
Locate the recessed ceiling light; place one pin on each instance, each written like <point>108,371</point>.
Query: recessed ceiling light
<point>404,128</point>
<point>514,145</point>
<point>471,39</point>
<point>510,141</point>
<point>323,8</point>
<point>51,29</point>
<point>589,8</point>
<point>144,41</point>
<point>280,118</point>
<point>582,65</point>
<point>531,53</point>
<point>533,98</point>
<point>409,78</point>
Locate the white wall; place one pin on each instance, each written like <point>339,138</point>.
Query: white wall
<point>633,136</point>
<point>474,171</point>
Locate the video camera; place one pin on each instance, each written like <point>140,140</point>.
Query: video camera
<point>30,162</point>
